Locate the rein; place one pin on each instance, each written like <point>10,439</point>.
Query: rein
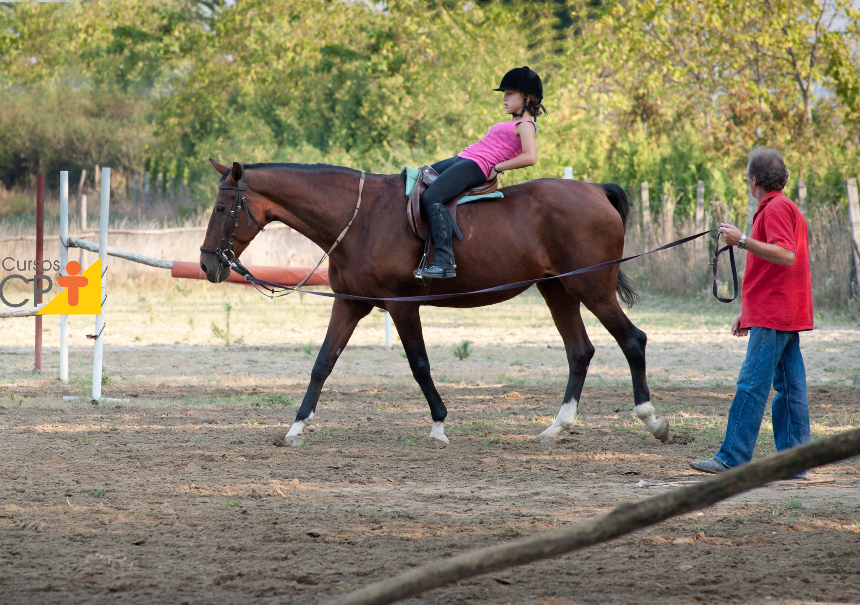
<point>277,290</point>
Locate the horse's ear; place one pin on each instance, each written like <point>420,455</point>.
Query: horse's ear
<point>221,168</point>
<point>237,171</point>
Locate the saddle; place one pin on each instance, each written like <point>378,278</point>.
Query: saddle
<point>426,176</point>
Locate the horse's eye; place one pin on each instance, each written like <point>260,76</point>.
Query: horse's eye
<point>219,208</point>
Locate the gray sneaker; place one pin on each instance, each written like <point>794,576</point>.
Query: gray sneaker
<point>712,466</point>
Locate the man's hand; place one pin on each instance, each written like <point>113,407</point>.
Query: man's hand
<point>730,234</point>
<point>736,327</point>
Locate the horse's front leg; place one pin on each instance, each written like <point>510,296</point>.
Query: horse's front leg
<point>407,319</point>
<point>345,315</point>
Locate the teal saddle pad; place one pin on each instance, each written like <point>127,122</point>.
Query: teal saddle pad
<point>412,178</point>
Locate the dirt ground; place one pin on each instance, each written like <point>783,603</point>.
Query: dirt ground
<point>180,496</point>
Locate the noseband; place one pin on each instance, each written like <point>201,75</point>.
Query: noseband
<point>239,204</point>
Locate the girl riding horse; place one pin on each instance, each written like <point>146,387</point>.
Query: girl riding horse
<point>506,146</point>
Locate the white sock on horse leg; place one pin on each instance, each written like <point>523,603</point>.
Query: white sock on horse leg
<point>437,433</point>
<point>299,426</point>
<point>563,421</point>
<point>647,414</point>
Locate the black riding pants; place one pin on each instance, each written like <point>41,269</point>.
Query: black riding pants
<point>455,175</point>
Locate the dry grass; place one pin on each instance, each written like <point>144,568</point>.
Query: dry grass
<point>514,343</point>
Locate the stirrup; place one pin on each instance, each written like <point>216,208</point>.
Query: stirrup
<point>419,272</point>
<point>434,271</point>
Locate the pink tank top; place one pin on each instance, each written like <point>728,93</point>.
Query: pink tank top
<point>500,144</point>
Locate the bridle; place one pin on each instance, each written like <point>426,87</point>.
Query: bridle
<point>239,204</point>
<point>226,254</point>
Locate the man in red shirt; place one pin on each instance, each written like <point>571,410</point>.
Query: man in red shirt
<point>776,305</point>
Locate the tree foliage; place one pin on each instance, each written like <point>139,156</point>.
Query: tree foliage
<point>656,90</point>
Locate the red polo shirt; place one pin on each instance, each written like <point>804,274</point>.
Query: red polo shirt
<point>775,296</point>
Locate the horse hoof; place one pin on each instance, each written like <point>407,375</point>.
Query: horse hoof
<point>662,432</point>
<point>553,433</point>
<point>294,440</point>
<point>438,443</point>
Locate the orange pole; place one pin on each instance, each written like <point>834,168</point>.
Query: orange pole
<point>287,276</point>
<point>40,256</point>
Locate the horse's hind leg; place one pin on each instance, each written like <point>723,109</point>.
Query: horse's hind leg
<point>345,315</point>
<point>566,314</point>
<point>632,342</point>
<point>407,320</point>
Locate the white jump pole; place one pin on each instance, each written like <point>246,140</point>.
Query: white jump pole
<point>387,330</point>
<point>99,350</point>
<point>64,258</point>
<point>568,172</point>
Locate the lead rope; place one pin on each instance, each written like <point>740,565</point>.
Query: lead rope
<point>273,287</point>
<point>717,252</point>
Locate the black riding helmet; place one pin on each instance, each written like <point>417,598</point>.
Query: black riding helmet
<point>522,78</point>
<point>526,80</point>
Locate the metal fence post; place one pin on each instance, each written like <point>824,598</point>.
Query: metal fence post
<point>64,259</point>
<point>387,330</point>
<point>99,349</point>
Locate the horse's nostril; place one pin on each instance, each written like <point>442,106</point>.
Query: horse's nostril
<point>202,266</point>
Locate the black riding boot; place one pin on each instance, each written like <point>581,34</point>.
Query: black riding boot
<point>442,266</point>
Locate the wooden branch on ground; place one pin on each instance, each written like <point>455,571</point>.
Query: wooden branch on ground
<point>626,518</point>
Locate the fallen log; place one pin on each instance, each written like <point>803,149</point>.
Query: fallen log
<point>626,518</point>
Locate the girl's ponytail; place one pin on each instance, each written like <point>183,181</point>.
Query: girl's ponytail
<point>532,104</point>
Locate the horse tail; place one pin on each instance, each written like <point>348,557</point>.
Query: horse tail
<point>618,199</point>
<point>624,286</point>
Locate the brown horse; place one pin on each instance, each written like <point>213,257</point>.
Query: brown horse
<point>540,228</point>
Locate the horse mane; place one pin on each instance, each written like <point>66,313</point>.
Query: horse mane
<point>295,166</point>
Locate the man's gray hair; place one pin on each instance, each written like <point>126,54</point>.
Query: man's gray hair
<point>767,167</point>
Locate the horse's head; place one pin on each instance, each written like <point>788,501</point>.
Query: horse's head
<point>231,227</point>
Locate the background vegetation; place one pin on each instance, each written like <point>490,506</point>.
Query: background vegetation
<point>664,91</point>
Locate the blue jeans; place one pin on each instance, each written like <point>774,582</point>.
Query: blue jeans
<point>773,357</point>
